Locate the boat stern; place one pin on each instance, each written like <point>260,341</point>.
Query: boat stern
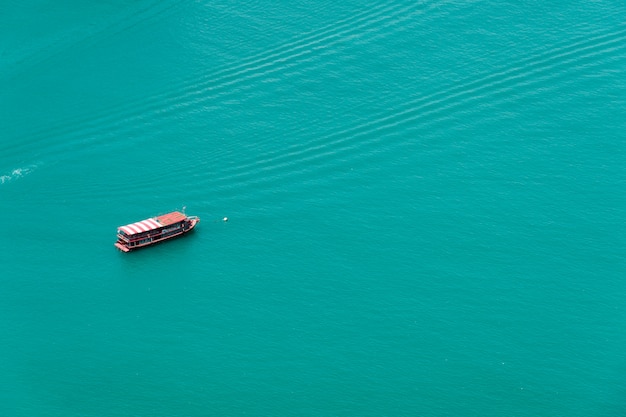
<point>121,247</point>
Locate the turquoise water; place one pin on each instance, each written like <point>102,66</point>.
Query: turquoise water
<point>426,204</point>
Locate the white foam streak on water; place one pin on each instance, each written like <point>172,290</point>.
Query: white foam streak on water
<point>16,174</point>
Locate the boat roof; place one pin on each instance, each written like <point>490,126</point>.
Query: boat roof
<point>153,223</point>
<point>171,218</point>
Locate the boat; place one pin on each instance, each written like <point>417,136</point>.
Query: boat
<point>154,230</point>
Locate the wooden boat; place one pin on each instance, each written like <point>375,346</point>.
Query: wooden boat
<point>154,230</point>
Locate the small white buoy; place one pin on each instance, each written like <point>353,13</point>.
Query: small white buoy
<point>225,219</point>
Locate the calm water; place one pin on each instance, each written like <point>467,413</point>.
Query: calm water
<point>426,204</point>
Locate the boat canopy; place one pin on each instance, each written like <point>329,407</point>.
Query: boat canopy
<point>153,223</point>
<point>140,227</point>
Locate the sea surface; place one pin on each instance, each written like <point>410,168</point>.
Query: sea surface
<point>426,206</point>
